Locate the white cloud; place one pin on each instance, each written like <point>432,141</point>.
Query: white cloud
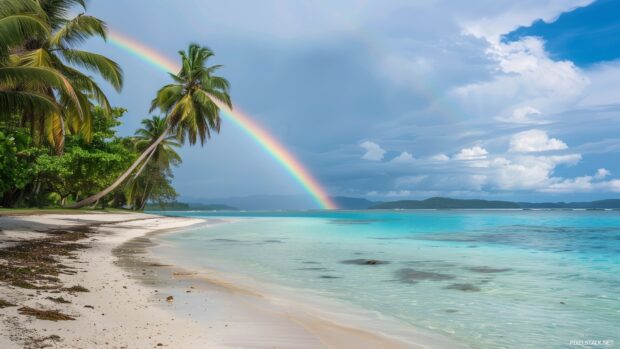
<point>602,173</point>
<point>528,172</point>
<point>473,153</point>
<point>534,141</point>
<point>440,157</point>
<point>374,152</point>
<point>403,158</point>
<point>491,27</point>
<point>524,115</point>
<point>584,184</point>
<point>525,75</point>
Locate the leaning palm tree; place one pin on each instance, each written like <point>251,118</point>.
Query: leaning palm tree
<point>189,105</point>
<point>158,163</point>
<point>164,155</point>
<point>58,52</point>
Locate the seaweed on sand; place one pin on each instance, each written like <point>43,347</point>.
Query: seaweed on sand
<point>52,315</point>
<point>34,264</point>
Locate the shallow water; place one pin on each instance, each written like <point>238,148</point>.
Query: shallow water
<point>488,279</point>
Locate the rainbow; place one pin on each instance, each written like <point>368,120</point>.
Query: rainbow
<point>268,142</point>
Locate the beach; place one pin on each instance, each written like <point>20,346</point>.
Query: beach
<point>109,294</point>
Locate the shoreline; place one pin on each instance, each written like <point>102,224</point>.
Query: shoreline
<point>334,324</point>
<point>126,304</point>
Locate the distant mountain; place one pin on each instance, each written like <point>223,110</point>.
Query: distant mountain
<point>348,203</point>
<point>305,202</point>
<point>182,206</point>
<point>444,203</point>
<point>448,203</point>
<point>599,204</point>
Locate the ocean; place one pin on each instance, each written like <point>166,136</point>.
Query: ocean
<point>483,278</point>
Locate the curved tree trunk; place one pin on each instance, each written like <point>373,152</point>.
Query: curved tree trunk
<point>146,162</point>
<point>89,200</point>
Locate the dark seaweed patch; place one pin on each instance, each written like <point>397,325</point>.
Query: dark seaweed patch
<point>224,240</point>
<point>5,304</point>
<point>463,287</point>
<point>362,261</point>
<point>488,270</point>
<point>412,276</point>
<point>52,315</point>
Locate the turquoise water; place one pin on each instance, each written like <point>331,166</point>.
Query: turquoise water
<point>488,279</point>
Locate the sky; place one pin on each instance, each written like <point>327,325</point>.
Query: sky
<point>395,99</point>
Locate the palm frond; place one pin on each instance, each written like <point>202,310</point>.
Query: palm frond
<point>12,102</point>
<point>58,10</point>
<point>107,68</point>
<point>55,131</point>
<point>36,58</point>
<point>77,30</point>
<point>16,29</point>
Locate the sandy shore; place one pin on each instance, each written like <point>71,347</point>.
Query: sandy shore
<point>127,306</point>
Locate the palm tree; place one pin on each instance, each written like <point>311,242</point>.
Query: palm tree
<point>57,52</point>
<point>158,163</point>
<point>191,112</point>
<point>164,154</point>
<point>20,87</point>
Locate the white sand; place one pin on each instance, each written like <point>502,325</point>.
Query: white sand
<point>126,313</point>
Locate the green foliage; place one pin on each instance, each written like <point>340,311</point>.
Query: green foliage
<point>40,77</point>
<point>15,170</point>
<point>37,176</point>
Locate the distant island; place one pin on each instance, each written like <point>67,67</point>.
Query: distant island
<point>275,202</point>
<point>449,203</point>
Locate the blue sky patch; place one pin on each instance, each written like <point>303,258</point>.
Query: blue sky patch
<point>585,36</point>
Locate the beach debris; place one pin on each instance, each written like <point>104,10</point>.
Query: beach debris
<point>43,342</point>
<point>89,306</point>
<point>463,287</point>
<point>160,344</point>
<point>412,276</point>
<point>5,304</point>
<point>51,315</point>
<point>34,264</point>
<point>76,288</point>
<point>157,265</point>
<point>362,261</point>
<point>169,299</point>
<point>58,300</point>
<point>180,273</point>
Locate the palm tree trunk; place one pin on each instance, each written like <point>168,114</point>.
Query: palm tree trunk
<point>144,165</point>
<point>89,200</point>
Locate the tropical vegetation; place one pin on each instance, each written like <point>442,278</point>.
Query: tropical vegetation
<point>59,144</point>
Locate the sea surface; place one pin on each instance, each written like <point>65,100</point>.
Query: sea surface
<point>484,278</point>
